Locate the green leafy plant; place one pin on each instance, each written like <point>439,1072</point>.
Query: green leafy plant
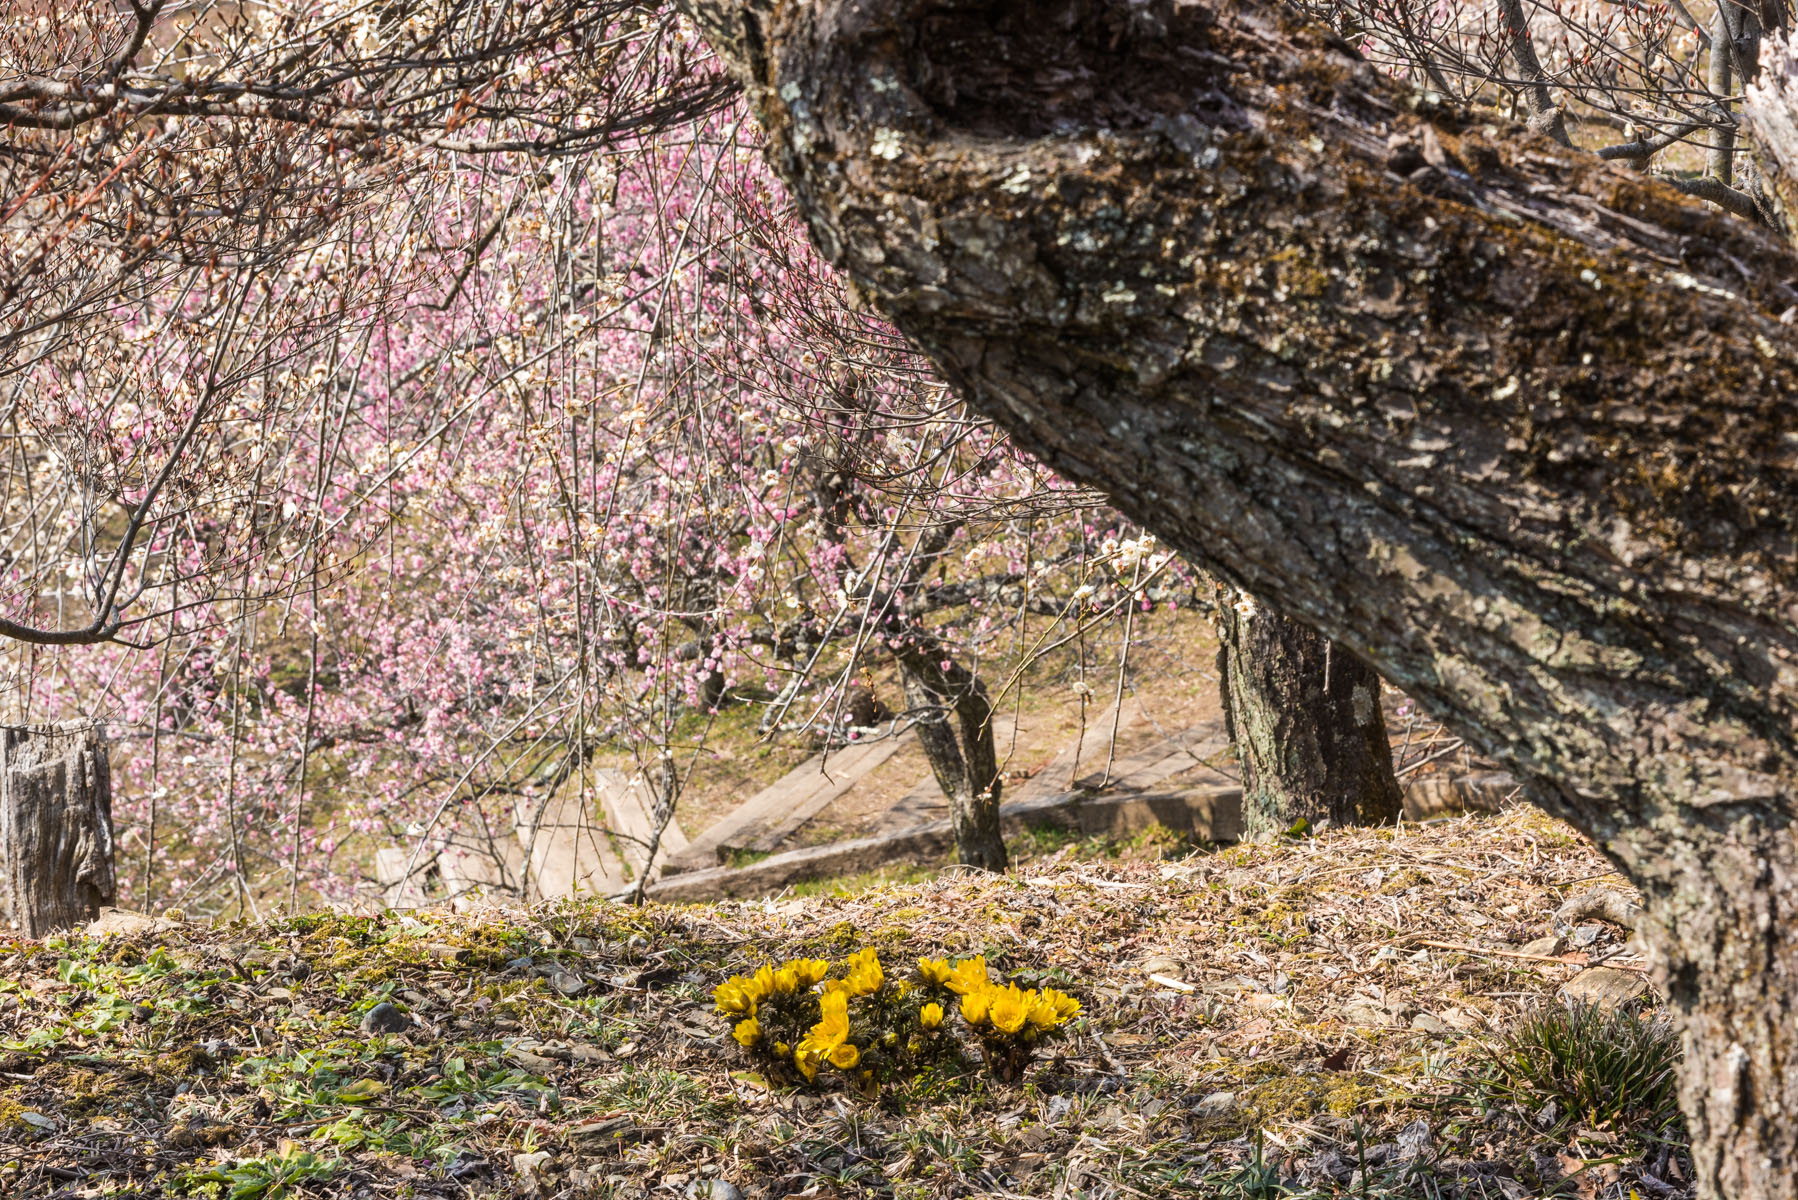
<point>267,1178</point>
<point>1610,1070</point>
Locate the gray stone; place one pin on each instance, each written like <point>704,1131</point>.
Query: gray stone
<point>385,1018</point>
<point>115,922</point>
<point>537,1064</point>
<point>567,982</point>
<point>1414,1140</point>
<point>1605,987</point>
<point>1161,964</point>
<point>1217,1104</point>
<point>1367,1013</point>
<point>1546,947</point>
<point>1429,1023</point>
<point>713,1189</point>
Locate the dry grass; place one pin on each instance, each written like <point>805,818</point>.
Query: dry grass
<point>1305,979</point>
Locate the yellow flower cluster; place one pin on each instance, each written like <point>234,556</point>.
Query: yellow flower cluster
<point>1003,1009</point>
<point>739,996</point>
<point>797,1002</point>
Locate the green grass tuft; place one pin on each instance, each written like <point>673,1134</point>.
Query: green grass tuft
<point>1610,1070</point>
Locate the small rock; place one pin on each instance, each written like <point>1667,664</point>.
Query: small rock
<point>1585,935</point>
<point>608,1133</point>
<point>385,1018</point>
<point>527,1165</point>
<point>1429,1023</point>
<point>713,1189</point>
<point>1375,1014</point>
<point>1605,987</point>
<point>40,1121</point>
<point>1161,964</point>
<point>585,945</point>
<point>567,982</point>
<point>1217,1104</point>
<point>537,1064</point>
<point>583,1052</point>
<point>1546,947</point>
<point>121,922</point>
<point>1414,1140</point>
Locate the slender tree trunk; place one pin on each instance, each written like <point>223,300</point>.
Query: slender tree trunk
<point>955,728</point>
<point>1512,424</point>
<point>1305,716</point>
<point>56,852</point>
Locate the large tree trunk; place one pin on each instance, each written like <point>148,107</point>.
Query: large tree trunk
<point>1511,424</point>
<point>1304,715</point>
<point>56,868</point>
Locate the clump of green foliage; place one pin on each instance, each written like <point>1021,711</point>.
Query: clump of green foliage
<point>1608,1069</point>
<point>797,1018</point>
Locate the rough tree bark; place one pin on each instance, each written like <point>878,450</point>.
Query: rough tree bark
<point>56,867</point>
<point>1305,717</point>
<point>1511,424</point>
<point>955,727</point>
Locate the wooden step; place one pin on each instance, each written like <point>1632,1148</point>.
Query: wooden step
<point>629,805</point>
<point>476,868</point>
<point>566,851</point>
<point>1204,747</point>
<point>769,816</point>
<point>1056,777</point>
<point>1210,811</point>
<point>398,889</point>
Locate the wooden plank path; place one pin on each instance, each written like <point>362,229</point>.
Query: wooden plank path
<point>567,852</point>
<point>630,807</point>
<point>770,816</point>
<point>474,866</point>
<point>570,853</point>
<point>1203,748</point>
<point>1058,776</point>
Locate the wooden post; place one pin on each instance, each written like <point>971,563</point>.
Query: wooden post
<point>55,827</point>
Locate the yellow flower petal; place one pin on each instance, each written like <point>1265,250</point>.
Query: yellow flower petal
<point>930,1016</point>
<point>845,1056</point>
<point>1066,1007</point>
<point>935,971</point>
<point>969,976</point>
<point>747,1033</point>
<point>975,1005</point>
<point>1008,1010</point>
